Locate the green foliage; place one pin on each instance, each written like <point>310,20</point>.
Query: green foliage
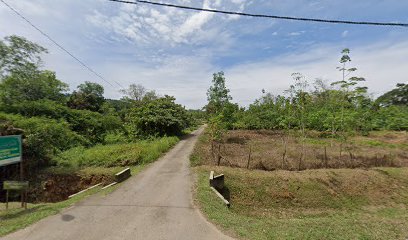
<point>125,154</point>
<point>216,128</point>
<point>218,94</point>
<point>136,94</point>
<point>43,137</point>
<point>35,101</point>
<point>18,55</point>
<point>391,118</point>
<point>158,117</point>
<point>198,117</point>
<point>91,125</point>
<point>17,88</point>
<point>397,96</point>
<point>21,79</point>
<point>89,96</point>
<point>341,109</point>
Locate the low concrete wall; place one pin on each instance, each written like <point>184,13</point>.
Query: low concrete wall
<point>123,175</point>
<point>217,185</point>
<point>217,182</point>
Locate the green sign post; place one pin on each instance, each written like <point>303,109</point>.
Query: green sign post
<point>21,186</point>
<point>10,150</point>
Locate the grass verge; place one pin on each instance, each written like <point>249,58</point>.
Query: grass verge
<point>98,160</point>
<point>113,155</point>
<point>17,218</point>
<point>314,204</point>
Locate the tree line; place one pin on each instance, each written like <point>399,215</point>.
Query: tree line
<point>335,109</point>
<point>36,104</point>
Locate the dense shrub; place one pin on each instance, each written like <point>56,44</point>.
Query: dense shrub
<point>159,117</point>
<point>91,125</point>
<point>392,118</point>
<point>43,137</point>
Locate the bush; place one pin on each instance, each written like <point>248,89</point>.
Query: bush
<point>158,117</point>
<point>91,125</point>
<point>392,118</point>
<point>42,137</point>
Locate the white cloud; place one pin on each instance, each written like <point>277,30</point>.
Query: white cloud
<point>176,51</point>
<point>382,64</point>
<point>146,25</point>
<point>345,34</point>
<point>296,33</point>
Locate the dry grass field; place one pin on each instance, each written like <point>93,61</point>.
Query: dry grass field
<point>273,150</point>
<point>360,193</point>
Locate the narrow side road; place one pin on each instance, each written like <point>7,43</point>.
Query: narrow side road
<point>155,204</point>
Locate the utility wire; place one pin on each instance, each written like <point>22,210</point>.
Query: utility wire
<point>265,16</point>
<point>60,46</point>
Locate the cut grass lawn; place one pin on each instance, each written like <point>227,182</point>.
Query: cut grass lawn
<point>313,204</point>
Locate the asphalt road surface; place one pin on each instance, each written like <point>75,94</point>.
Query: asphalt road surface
<point>155,204</point>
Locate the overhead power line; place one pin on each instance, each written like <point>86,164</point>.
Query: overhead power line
<point>266,16</point>
<point>60,46</point>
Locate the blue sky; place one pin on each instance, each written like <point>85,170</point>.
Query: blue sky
<point>176,51</point>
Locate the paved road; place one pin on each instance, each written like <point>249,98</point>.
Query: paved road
<point>155,204</point>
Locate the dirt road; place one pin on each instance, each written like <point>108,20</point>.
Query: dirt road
<point>155,204</point>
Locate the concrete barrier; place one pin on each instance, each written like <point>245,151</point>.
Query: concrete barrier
<point>109,185</point>
<point>123,175</point>
<point>217,185</point>
<point>221,197</point>
<point>217,182</point>
<point>94,186</point>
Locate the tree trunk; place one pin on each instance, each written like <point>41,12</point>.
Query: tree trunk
<point>219,155</point>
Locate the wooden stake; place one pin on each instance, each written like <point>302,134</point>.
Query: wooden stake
<point>7,198</point>
<point>249,157</point>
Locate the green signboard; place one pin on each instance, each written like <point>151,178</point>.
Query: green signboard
<point>15,185</point>
<point>10,150</point>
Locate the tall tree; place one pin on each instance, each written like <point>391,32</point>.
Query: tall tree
<point>350,92</point>
<point>159,117</point>
<point>138,93</point>
<point>21,79</point>
<point>18,55</point>
<point>135,92</point>
<point>89,96</point>
<point>17,88</point>
<point>218,94</point>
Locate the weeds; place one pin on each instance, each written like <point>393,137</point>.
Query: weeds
<point>112,155</point>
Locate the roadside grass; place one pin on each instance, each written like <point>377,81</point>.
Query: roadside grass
<point>312,204</point>
<point>113,155</point>
<point>196,155</point>
<point>18,218</point>
<point>100,160</point>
